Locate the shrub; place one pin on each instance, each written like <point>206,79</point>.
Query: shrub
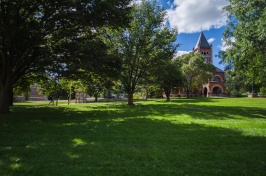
<point>262,91</point>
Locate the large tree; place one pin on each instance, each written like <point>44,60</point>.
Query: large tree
<point>236,83</point>
<point>139,46</point>
<point>195,71</point>
<point>169,77</point>
<point>30,29</point>
<point>246,39</point>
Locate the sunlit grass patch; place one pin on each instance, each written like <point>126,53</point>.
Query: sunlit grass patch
<point>201,136</point>
<point>78,142</point>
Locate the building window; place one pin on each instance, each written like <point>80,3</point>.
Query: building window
<point>207,59</point>
<point>217,79</point>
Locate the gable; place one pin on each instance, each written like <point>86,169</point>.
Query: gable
<point>202,42</point>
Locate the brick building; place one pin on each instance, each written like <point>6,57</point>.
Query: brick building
<point>216,85</point>
<point>35,95</point>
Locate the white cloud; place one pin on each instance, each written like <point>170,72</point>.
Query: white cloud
<point>224,46</point>
<point>135,2</point>
<point>210,40</point>
<point>191,16</point>
<point>180,53</point>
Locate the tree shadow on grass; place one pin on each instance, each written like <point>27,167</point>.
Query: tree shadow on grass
<point>106,112</point>
<point>117,139</point>
<point>126,146</point>
<point>191,100</point>
<point>119,110</point>
<point>165,110</point>
<point>207,112</point>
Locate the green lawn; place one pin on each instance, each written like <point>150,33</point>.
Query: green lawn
<point>204,136</point>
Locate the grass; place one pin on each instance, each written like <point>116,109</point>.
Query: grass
<point>203,136</point>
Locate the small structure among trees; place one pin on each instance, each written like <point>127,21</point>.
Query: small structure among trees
<point>80,97</point>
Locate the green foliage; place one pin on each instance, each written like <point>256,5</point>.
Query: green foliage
<point>143,45</point>
<point>245,36</point>
<point>195,71</point>
<point>42,35</point>
<point>68,85</point>
<point>235,83</point>
<point>182,137</point>
<point>263,91</point>
<point>169,76</point>
<point>49,86</point>
<point>23,88</point>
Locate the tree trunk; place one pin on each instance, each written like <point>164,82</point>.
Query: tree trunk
<point>11,98</point>
<point>167,96</point>
<point>187,91</point>
<point>5,98</point>
<point>147,92</point>
<point>109,94</point>
<point>167,93</point>
<point>130,99</point>
<point>95,97</point>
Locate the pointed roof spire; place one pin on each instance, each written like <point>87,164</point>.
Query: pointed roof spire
<point>202,42</point>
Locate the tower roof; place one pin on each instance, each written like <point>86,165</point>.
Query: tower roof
<point>202,42</point>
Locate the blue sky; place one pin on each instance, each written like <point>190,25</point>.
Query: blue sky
<point>193,16</point>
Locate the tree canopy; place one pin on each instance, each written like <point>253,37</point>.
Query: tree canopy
<point>140,46</point>
<point>35,35</point>
<point>169,76</point>
<point>246,38</point>
<point>195,71</point>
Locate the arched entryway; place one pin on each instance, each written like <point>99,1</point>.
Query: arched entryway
<point>216,91</point>
<point>205,91</point>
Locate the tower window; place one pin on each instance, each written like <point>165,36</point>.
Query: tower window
<point>217,79</point>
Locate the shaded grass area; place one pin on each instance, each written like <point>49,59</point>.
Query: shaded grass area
<point>181,137</point>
